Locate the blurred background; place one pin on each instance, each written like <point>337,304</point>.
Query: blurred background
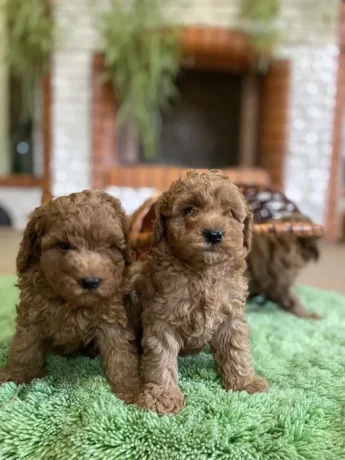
<point>125,95</point>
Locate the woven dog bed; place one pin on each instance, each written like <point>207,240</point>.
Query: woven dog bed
<point>273,214</point>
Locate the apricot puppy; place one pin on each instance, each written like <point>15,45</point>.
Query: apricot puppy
<point>191,291</point>
<point>70,267</point>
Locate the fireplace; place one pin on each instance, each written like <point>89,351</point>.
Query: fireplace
<point>227,114</point>
<point>201,128</point>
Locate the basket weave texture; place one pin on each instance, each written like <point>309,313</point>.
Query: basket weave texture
<point>273,213</point>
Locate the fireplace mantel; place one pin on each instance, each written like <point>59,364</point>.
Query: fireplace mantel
<point>205,48</point>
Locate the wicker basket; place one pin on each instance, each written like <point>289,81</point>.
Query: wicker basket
<point>143,218</point>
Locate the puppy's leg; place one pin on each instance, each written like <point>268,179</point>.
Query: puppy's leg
<point>90,350</point>
<point>26,356</point>
<point>274,265</point>
<point>161,393</point>
<point>231,349</point>
<point>120,359</point>
<point>284,297</point>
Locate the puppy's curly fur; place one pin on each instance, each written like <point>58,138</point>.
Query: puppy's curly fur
<point>67,240</point>
<point>191,292</point>
<point>274,263</point>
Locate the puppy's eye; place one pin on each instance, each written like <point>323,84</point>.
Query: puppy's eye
<point>188,211</point>
<point>230,213</point>
<point>63,246</point>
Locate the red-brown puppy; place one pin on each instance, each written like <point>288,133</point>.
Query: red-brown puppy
<point>70,267</point>
<point>192,290</point>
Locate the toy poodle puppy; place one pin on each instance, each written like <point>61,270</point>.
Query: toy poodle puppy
<point>275,262</point>
<point>70,267</point>
<point>191,291</point>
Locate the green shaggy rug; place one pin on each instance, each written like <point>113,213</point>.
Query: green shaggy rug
<point>72,414</point>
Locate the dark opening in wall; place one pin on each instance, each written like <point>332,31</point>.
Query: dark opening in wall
<point>5,220</point>
<point>202,128</point>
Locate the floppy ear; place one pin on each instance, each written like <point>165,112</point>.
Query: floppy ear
<point>309,249</point>
<point>126,232</point>
<point>119,212</point>
<point>247,223</point>
<point>159,225</point>
<point>29,250</point>
<point>248,229</point>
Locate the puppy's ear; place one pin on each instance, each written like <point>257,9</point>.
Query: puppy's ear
<point>30,250</point>
<point>248,229</point>
<point>247,223</point>
<point>309,249</point>
<point>126,232</point>
<point>159,225</point>
<point>119,212</point>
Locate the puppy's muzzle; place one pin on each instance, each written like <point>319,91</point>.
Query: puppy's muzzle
<point>90,282</point>
<point>213,236</point>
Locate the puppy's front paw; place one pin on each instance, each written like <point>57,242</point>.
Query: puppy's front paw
<point>161,400</point>
<point>255,384</point>
<point>314,316</point>
<point>128,395</point>
<point>20,377</point>
<point>301,312</point>
<point>4,377</point>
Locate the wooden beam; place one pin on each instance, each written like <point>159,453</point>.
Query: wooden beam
<point>333,216</point>
<point>161,176</point>
<point>249,120</point>
<point>104,110</point>
<point>275,97</point>
<point>19,180</point>
<point>46,127</point>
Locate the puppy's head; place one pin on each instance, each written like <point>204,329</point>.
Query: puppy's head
<point>204,219</point>
<point>307,249</point>
<point>79,245</point>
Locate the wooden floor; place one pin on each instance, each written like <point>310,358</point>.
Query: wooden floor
<point>328,273</point>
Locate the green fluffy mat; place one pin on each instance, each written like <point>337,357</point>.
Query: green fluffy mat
<point>72,414</point>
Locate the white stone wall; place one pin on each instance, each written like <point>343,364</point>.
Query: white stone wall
<point>307,170</point>
<point>19,203</point>
<point>221,13</point>
<point>309,21</point>
<point>302,21</point>
<point>71,85</point>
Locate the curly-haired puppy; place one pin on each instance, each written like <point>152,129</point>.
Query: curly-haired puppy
<point>70,267</point>
<point>192,291</point>
<point>274,263</point>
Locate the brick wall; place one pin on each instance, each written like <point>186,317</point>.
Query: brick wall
<point>312,58</point>
<point>307,41</point>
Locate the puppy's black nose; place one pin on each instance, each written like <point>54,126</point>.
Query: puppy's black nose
<point>213,236</point>
<point>90,282</point>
